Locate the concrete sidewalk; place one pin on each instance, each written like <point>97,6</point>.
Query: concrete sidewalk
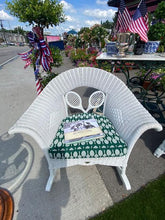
<point>78,192</point>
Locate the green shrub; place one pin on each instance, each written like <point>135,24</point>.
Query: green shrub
<point>68,49</point>
<point>157,31</point>
<point>57,57</point>
<point>47,78</point>
<point>79,55</point>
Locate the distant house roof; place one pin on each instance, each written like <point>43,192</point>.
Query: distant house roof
<point>72,32</point>
<point>132,5</point>
<point>52,38</point>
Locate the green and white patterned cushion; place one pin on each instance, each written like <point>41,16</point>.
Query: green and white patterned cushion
<point>111,145</point>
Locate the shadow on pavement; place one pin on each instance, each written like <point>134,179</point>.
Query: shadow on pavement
<point>16,159</point>
<point>153,139</point>
<point>35,203</point>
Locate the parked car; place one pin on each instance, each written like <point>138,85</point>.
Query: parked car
<point>21,44</point>
<point>11,44</point>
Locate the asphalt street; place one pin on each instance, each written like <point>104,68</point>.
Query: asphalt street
<point>7,53</point>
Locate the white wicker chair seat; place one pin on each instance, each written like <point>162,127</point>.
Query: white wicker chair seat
<point>43,117</point>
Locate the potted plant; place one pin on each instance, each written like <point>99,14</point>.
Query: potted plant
<point>157,30</point>
<point>152,79</point>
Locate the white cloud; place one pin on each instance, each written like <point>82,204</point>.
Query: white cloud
<point>68,28</point>
<point>92,22</point>
<point>4,16</point>
<point>100,13</point>
<point>69,18</point>
<point>67,6</point>
<point>101,2</point>
<point>71,27</point>
<point>50,28</point>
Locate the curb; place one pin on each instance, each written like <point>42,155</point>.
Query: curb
<point>8,60</point>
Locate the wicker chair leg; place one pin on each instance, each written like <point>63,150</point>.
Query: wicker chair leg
<point>50,180</point>
<point>124,178</point>
<point>160,150</point>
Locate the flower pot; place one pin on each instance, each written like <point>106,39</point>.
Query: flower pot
<point>147,85</point>
<point>151,46</point>
<point>139,48</point>
<point>111,48</point>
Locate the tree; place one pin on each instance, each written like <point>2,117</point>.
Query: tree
<point>19,30</point>
<point>43,13</point>
<point>157,29</point>
<point>107,24</point>
<point>92,36</point>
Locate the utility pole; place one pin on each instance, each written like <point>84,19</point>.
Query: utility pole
<point>3,30</point>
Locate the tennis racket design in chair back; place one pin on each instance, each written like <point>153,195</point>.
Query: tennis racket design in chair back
<point>73,100</point>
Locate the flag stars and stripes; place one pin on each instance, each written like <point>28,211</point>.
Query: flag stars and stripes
<point>138,24</point>
<point>143,9</point>
<point>124,17</point>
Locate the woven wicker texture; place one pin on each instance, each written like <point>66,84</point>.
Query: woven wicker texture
<point>43,117</point>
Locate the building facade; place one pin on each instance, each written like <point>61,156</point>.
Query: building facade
<point>11,37</point>
<point>132,5</point>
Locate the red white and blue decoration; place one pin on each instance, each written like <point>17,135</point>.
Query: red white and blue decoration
<point>139,22</point>
<point>124,18</point>
<point>42,53</point>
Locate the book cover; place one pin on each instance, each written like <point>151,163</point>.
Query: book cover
<point>82,130</point>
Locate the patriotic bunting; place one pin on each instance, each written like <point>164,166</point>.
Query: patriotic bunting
<point>38,86</point>
<point>42,52</point>
<point>26,57</point>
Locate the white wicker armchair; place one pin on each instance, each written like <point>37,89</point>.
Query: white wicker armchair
<point>43,117</point>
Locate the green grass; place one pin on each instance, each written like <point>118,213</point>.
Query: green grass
<point>146,204</point>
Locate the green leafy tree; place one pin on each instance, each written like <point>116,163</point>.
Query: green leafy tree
<point>19,30</point>
<point>107,24</point>
<point>159,12</point>
<point>98,34</point>
<point>93,35</point>
<point>43,13</point>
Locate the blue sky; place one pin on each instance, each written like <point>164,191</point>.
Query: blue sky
<point>79,13</point>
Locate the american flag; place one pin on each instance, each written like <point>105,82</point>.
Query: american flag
<point>143,9</point>
<point>138,25</point>
<point>124,18</point>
